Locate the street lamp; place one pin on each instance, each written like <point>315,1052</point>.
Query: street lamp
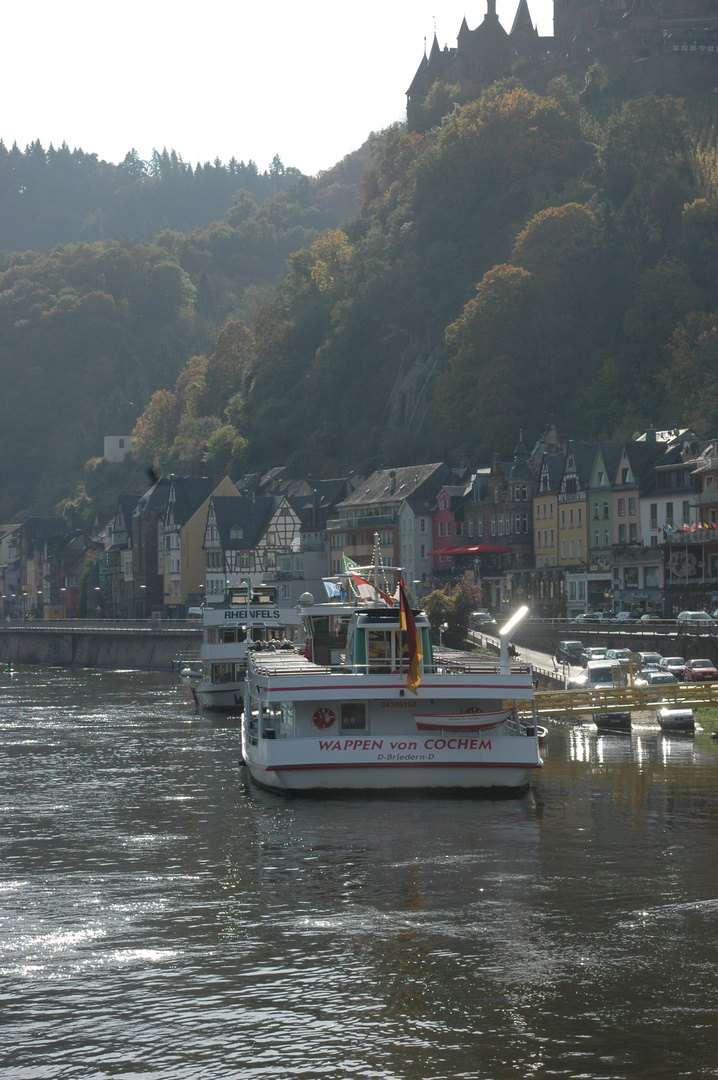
<point>506,633</point>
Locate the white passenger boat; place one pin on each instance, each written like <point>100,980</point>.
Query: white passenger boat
<point>245,621</point>
<point>384,713</point>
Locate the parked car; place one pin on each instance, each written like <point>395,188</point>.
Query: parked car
<point>648,617</point>
<point>700,671</point>
<point>586,617</point>
<point>695,620</point>
<point>593,652</point>
<point>569,652</point>
<point>650,659</point>
<point>624,655</point>
<point>674,664</point>
<point>623,616</point>
<point>656,677</point>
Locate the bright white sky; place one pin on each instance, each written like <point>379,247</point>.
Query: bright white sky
<point>214,79</point>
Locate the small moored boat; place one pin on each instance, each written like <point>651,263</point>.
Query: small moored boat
<point>671,719</point>
<point>612,721</point>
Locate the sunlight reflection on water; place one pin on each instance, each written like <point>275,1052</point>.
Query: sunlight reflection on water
<point>159,918</point>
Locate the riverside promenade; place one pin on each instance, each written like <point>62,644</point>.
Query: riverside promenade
<point>144,644</point>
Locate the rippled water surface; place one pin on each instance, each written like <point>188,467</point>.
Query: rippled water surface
<point>160,918</point>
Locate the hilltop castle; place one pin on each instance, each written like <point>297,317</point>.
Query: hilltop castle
<point>659,46</point>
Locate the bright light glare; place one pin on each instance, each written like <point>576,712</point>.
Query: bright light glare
<point>514,620</point>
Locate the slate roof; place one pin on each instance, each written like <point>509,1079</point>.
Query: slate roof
<point>154,499</point>
<point>189,494</point>
<point>387,487</point>
<point>251,515</point>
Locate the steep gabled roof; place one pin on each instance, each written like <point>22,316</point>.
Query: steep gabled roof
<point>154,499</point>
<point>252,516</point>
<point>523,20</point>
<point>188,493</point>
<point>391,486</point>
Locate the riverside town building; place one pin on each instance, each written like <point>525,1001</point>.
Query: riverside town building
<point>565,527</point>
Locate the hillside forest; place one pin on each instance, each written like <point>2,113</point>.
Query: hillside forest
<point>528,257</point>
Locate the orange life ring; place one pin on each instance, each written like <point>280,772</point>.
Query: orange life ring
<point>323,718</point>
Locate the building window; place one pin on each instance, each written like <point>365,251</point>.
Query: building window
<point>669,513</point>
<point>651,577</point>
<point>631,507</point>
<point>422,549</point>
<point>339,540</point>
<point>621,507</point>
<point>632,532</point>
<point>654,515</point>
<point>579,516</point>
<point>422,525</point>
<point>580,547</point>
<point>563,549</point>
<point>441,528</point>
<point>622,534</point>
<point>563,519</point>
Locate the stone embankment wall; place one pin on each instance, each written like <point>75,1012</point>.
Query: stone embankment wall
<point>146,649</point>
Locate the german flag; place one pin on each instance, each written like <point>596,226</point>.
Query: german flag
<point>407,623</point>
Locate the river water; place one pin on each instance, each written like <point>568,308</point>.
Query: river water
<point>159,918</point>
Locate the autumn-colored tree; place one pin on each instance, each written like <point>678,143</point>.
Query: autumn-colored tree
<point>156,429</point>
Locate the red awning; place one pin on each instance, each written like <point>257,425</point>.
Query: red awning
<point>472,549</point>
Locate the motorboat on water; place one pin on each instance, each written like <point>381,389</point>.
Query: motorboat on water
<point>676,719</point>
<point>618,721</point>
<point>370,707</point>
<point>249,618</point>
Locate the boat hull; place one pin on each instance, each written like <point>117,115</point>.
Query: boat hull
<point>677,720</point>
<point>225,697</point>
<point>383,763</point>
<point>616,721</point>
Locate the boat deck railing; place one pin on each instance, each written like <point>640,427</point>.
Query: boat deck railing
<point>292,664</point>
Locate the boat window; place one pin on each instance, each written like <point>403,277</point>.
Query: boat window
<point>353,716</point>
<point>222,673</point>
<point>380,650</point>
<point>231,634</point>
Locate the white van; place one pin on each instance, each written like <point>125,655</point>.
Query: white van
<point>194,614</point>
<point>600,675</point>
